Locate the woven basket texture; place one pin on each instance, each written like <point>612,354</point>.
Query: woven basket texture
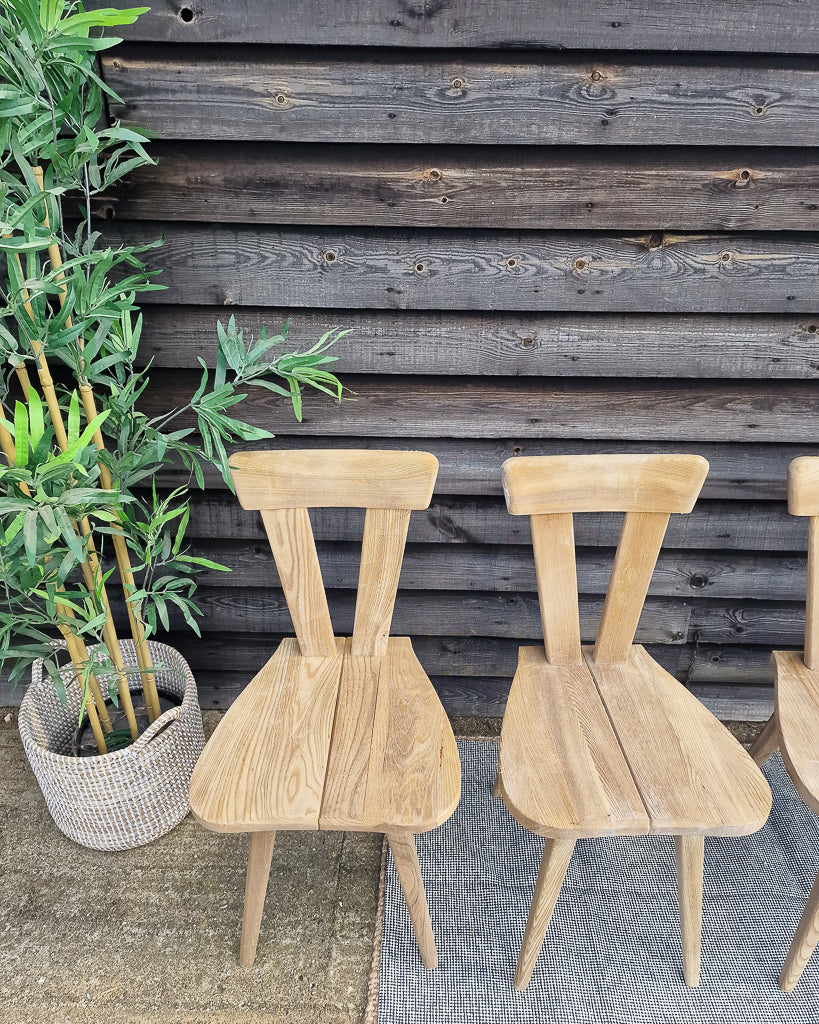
<point>125,798</point>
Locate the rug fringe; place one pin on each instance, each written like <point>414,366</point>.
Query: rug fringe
<point>371,1011</point>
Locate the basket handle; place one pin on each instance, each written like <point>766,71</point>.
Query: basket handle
<point>166,720</point>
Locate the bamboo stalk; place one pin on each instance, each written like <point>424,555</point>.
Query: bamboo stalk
<point>120,546</point>
<point>90,567</point>
<point>96,709</point>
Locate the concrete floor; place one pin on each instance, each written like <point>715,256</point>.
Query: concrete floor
<point>152,934</point>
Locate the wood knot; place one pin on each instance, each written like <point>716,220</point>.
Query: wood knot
<point>329,256</point>
<point>580,264</point>
<point>420,268</point>
<point>282,99</point>
<point>527,342</point>
<point>596,75</point>
<point>726,256</point>
<point>458,84</point>
<point>511,262</point>
<point>186,15</point>
<point>655,240</point>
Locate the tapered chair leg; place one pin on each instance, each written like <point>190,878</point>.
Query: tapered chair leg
<point>804,942</point>
<point>553,865</point>
<point>405,855</point>
<point>689,851</point>
<point>258,870</point>
<point>766,742</point>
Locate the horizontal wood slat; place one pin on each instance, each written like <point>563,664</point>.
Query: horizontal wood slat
<point>544,98</point>
<point>718,525</point>
<point>482,656</point>
<point>681,411</point>
<point>452,613</point>
<point>471,466</point>
<point>512,187</point>
<point>510,568</point>
<point>486,697</point>
<point>784,26</point>
<point>391,269</point>
<point>511,344</point>
<point>459,613</point>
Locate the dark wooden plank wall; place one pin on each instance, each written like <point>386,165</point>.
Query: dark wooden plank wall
<point>555,227</point>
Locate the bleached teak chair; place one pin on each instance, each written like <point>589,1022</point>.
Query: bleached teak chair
<point>794,726</point>
<point>603,741</point>
<point>333,733</point>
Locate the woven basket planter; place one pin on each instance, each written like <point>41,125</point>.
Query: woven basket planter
<point>127,797</point>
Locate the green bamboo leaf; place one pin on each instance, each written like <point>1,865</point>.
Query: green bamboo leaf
<point>73,418</point>
<point>30,531</point>
<point>20,434</point>
<point>35,411</point>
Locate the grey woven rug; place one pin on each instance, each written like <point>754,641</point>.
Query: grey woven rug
<point>612,951</point>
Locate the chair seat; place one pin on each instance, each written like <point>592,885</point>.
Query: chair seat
<point>623,749</point>
<point>797,715</point>
<point>348,742</point>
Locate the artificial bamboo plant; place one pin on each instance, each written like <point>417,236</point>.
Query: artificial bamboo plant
<point>82,458</point>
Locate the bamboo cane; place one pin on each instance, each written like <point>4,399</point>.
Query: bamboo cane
<point>96,709</point>
<point>90,567</point>
<point>120,546</point>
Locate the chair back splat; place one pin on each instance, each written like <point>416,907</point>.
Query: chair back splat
<point>284,485</point>
<point>550,489</point>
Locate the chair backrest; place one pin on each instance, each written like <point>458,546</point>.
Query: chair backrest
<point>283,485</point>
<point>549,489</point>
<point>803,500</point>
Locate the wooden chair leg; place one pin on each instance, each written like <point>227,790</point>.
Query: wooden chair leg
<point>553,865</point>
<point>804,942</point>
<point>689,851</point>
<point>766,742</point>
<point>496,785</point>
<point>405,855</point>
<point>258,870</point>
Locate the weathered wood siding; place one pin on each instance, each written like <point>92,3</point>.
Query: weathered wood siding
<point>541,249</point>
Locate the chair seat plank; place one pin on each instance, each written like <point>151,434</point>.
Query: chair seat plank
<point>797,713</point>
<point>393,759</point>
<point>414,771</point>
<point>345,788</point>
<point>562,773</point>
<point>264,766</point>
<point>692,775</point>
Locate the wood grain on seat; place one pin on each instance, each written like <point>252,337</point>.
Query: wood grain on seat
<point>797,712</point>
<point>676,751</point>
<point>393,759</point>
<point>264,766</point>
<point>562,772</point>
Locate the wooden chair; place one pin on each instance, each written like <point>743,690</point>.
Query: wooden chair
<point>603,741</point>
<point>333,733</point>
<point>794,725</point>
